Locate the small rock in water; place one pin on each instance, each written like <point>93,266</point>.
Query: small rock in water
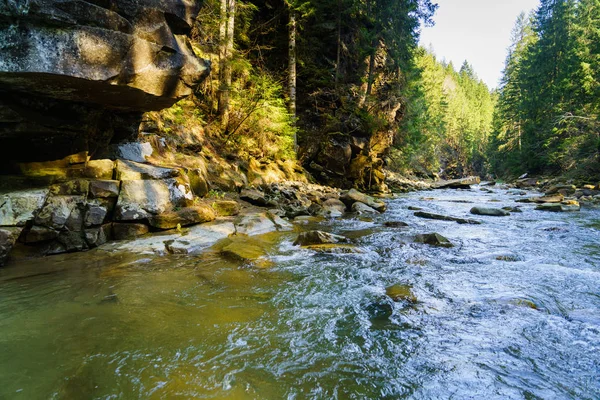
<point>401,292</point>
<point>512,209</point>
<point>492,212</point>
<point>566,206</point>
<point>412,208</point>
<point>319,237</point>
<point>508,258</point>
<point>395,224</point>
<point>433,239</point>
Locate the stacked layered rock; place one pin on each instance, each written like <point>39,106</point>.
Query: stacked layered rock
<point>104,199</point>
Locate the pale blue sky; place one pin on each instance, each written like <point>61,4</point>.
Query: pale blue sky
<point>477,31</point>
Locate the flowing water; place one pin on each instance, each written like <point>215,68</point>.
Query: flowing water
<point>511,312</point>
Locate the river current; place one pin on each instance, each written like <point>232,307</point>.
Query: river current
<point>512,311</point>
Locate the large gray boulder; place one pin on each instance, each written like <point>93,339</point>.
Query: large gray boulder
<point>76,73</point>
<point>126,54</point>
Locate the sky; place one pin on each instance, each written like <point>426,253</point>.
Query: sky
<point>477,31</point>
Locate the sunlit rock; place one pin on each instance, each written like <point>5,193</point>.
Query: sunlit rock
<point>182,217</point>
<point>352,196</point>
<point>401,292</point>
<point>433,239</point>
<point>318,237</point>
<point>17,208</point>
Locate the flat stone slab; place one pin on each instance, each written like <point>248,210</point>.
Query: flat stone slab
<point>491,212</point>
<point>198,238</point>
<point>130,170</point>
<point>439,217</point>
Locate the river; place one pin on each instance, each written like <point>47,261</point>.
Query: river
<point>511,312</point>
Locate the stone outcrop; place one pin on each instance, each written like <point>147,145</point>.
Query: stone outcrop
<point>74,74</point>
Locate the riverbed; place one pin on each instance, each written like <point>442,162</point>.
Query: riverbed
<point>512,311</point>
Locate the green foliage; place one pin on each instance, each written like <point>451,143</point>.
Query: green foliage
<point>448,122</point>
<point>548,114</point>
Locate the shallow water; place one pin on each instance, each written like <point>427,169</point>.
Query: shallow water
<point>316,325</point>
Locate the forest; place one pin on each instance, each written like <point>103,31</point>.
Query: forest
<point>301,75</point>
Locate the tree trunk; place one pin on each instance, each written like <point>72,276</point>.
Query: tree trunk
<point>226,54</point>
<point>292,70</point>
<point>292,63</point>
<point>371,69</point>
<point>339,44</point>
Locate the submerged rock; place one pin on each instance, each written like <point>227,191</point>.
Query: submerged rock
<point>395,224</point>
<point>318,237</point>
<point>433,239</point>
<point>401,292</point>
<point>492,212</point>
<point>247,250</point>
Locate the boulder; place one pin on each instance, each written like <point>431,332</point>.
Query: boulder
<point>361,208</point>
<point>75,221</point>
<point>433,239</point>
<point>104,188</point>
<point>318,237</point>
<point>68,241</point>
<point>57,211</point>
<point>254,197</point>
<point>492,212</point>
<point>463,183</point>
<point>124,231</point>
<point>401,292</point>
<point>428,215</point>
<point>333,208</point>
<point>95,214</point>
<point>130,170</point>
<point>130,55</point>
<point>139,199</point>
<point>8,238</point>
<point>18,208</point>
<point>352,196</point>
<point>183,217</point>
<point>99,169</point>
<point>226,208</point>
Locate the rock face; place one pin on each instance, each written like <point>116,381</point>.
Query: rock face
<point>75,73</point>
